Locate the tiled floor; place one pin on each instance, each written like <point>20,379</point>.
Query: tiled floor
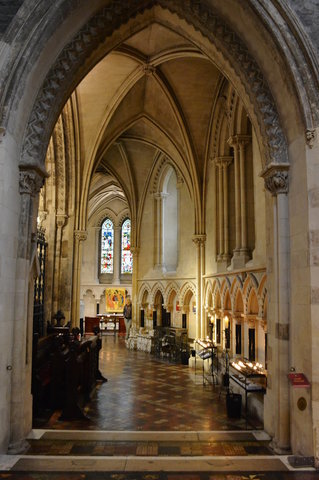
<point>159,476</point>
<point>145,393</point>
<point>151,421</point>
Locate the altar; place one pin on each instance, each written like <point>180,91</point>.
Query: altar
<point>111,322</point>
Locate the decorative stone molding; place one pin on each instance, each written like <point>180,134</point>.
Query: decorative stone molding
<point>310,137</point>
<point>223,161</point>
<point>61,219</point>
<point>236,140</point>
<point>80,235</point>
<point>276,179</point>
<point>30,182</point>
<point>148,69</point>
<point>199,239</point>
<point>59,79</point>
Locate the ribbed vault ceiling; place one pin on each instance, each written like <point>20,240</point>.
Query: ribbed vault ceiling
<point>155,93</point>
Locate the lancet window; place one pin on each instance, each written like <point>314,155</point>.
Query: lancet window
<point>107,246</point>
<point>126,254</point>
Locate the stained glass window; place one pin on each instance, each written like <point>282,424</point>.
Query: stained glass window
<point>126,254</point>
<point>107,242</point>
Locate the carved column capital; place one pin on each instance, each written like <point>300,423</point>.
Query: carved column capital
<point>224,161</point>
<point>276,178</point>
<point>80,235</point>
<point>30,182</point>
<point>237,140</point>
<point>199,239</point>
<point>61,219</point>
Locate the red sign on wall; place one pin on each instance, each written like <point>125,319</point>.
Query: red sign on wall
<point>298,380</point>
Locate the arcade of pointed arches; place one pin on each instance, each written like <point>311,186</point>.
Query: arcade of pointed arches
<point>240,299</point>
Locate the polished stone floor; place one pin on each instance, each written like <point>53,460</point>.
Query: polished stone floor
<point>146,393</point>
<point>152,420</point>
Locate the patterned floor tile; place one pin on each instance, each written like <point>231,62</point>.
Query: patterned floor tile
<point>139,383</point>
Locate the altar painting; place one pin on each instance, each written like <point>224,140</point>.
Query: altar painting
<point>115,299</point>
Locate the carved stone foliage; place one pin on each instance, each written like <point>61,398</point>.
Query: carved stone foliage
<point>199,239</point>
<point>59,81</point>
<point>30,182</point>
<point>80,235</point>
<point>276,180</point>
<point>310,137</point>
<point>277,183</point>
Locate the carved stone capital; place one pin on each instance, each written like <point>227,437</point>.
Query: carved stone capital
<point>237,140</point>
<point>310,137</point>
<point>199,239</point>
<point>80,235</point>
<point>30,182</point>
<point>223,161</point>
<point>60,219</point>
<point>276,178</point>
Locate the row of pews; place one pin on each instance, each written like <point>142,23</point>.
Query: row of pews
<point>65,372</point>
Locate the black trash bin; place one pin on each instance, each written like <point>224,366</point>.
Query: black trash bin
<point>233,405</point>
<point>184,358</point>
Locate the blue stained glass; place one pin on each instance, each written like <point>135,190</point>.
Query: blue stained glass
<point>126,256</point>
<point>107,242</point>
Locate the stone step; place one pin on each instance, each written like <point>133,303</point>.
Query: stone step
<point>149,464</point>
<point>160,436</point>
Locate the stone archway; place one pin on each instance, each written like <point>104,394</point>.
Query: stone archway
<point>45,108</point>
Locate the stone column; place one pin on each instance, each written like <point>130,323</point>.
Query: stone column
<point>60,222</point>
<point>226,161</point>
<point>220,210</point>
<point>233,143</point>
<point>199,241</point>
<point>79,236</point>
<point>117,254</point>
<point>159,246</point>
<point>30,182</point>
<point>276,182</point>
<point>241,253</point>
<point>222,164</point>
<point>135,252</point>
<point>242,142</point>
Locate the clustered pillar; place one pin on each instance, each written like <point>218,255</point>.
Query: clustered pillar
<point>135,252</point>
<point>79,237</point>
<point>199,241</point>
<point>241,252</point>
<point>222,164</point>
<point>159,247</point>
